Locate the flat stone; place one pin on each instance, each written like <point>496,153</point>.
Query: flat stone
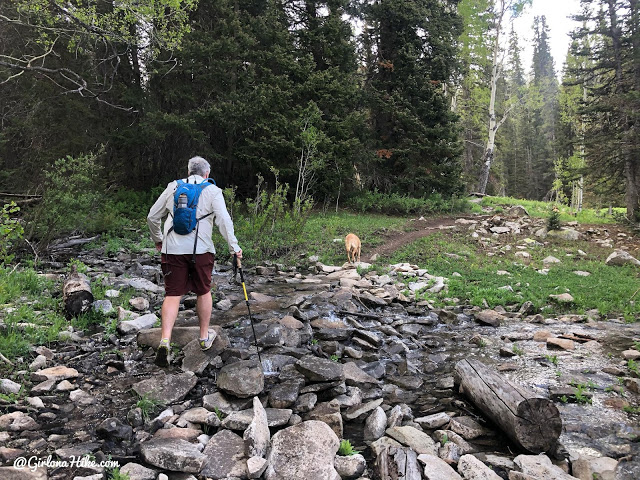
<point>276,417</point>
<point>39,362</point>
<point>562,298</point>
<point>139,303</point>
<point>593,467</point>
<point>225,403</point>
<point>224,456</point>
<point>241,379</point>
<point>290,322</point>
<point>177,433</point>
<point>9,386</point>
<point>467,427</point>
<point>195,360</point>
<point>560,344</point>
<point>541,335</point>
<point>473,469</point>
<point>350,467</point>
<point>11,473</point>
<point>550,259</point>
<point>540,466</point>
<point>171,454</point>
<point>437,469</point>
<point>181,336</point>
<point>137,324</point>
<point>620,258</point>
<point>285,395</point>
<point>328,413</point>
<point>137,472</point>
<point>413,438</point>
<point>141,284</point>
<point>167,389</point>
<point>320,369</point>
<point>375,425</point>
<point>631,354</point>
<point>17,422</point>
<point>434,421</point>
<point>57,373</point>
<point>256,466</point>
<point>354,412</point>
<point>355,376</point>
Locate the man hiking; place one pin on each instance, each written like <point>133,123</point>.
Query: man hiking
<point>191,206</point>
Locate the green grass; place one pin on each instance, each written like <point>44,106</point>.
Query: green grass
<point>346,449</point>
<point>148,405</point>
<point>541,209</point>
<point>608,288</point>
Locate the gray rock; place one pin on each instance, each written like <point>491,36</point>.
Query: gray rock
<point>141,284</point>
<point>114,428</point>
<point>17,422</point>
<point>284,395</point>
<point>620,257</point>
<point>350,467</point>
<point>167,389</point>
<point>140,323</point>
<point>437,469</point>
<point>139,303</point>
<point>171,454</point>
<point>225,403</point>
<point>562,298</point>
<point>195,360</point>
<point>540,466</point>
<point>413,438</point>
<point>565,233</point>
<point>242,379</point>
<point>375,425</point>
<point>39,362</point>
<point>473,469</point>
<point>450,453</point>
<point>397,463</point>
<point>320,369</point>
<point>256,467</point>
<point>329,413</point>
<point>549,260</point>
<point>257,436</point>
<point>12,473</point>
<point>355,376</point>
<point>593,467</point>
<point>57,373</point>
<point>434,421</point>
<point>103,306</point>
<point>306,402</point>
<point>138,472</point>
<point>224,456</point>
<point>304,451</point>
<point>9,386</point>
<point>276,417</point>
<point>467,427</point>
<point>354,412</point>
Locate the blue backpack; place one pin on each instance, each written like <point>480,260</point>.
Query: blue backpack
<point>185,205</point>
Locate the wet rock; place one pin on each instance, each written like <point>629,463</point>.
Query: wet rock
<point>620,258</point>
<point>437,469</point>
<point>375,425</point>
<point>114,428</point>
<point>304,451</point>
<point>242,379</point>
<point>224,456</point>
<point>350,467</point>
<point>257,436</point>
<point>17,422</point>
<point>167,389</point>
<point>473,469</point>
<point>276,417</point>
<point>489,317</point>
<point>137,472</point>
<point>225,404</point>
<point>434,421</point>
<point>320,369</point>
<point>175,455</point>
<point>140,323</point>
<point>57,373</point>
<point>256,467</point>
<point>540,466</point>
<point>413,438</point>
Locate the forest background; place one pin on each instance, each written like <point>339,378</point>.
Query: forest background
<point>390,105</point>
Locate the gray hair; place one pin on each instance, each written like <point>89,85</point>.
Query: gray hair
<point>199,166</point>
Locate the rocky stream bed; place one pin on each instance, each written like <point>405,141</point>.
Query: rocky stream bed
<point>344,356</point>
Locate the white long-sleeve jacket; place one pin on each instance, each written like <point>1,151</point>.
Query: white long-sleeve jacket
<point>211,200</point>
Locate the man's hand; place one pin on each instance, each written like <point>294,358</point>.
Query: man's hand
<point>159,246</point>
<point>238,253</point>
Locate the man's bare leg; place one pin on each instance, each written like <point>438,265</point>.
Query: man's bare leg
<point>204,306</point>
<point>170,307</point>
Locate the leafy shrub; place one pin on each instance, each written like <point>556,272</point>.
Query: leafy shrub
<point>346,448</point>
<point>11,231</point>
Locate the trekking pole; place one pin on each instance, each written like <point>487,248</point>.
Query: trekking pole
<point>237,266</point>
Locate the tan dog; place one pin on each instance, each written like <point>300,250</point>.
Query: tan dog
<point>352,244</point>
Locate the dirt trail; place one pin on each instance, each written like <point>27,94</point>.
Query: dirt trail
<point>420,228</point>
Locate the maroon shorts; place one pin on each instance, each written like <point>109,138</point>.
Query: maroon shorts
<point>182,276</point>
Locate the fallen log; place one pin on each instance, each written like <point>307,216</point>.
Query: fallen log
<point>76,293</point>
<point>532,422</point>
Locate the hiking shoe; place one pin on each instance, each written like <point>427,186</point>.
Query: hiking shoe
<point>162,355</point>
<point>206,343</point>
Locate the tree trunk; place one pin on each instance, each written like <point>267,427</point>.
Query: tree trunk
<point>632,197</point>
<point>76,293</point>
<point>533,423</point>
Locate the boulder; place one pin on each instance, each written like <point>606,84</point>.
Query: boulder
<point>167,389</point>
<point>489,317</point>
<point>256,436</point>
<point>350,467</point>
<point>375,425</point>
<point>241,379</point>
<point>437,469</point>
<point>413,438</point>
<point>540,466</point>
<point>57,373</point>
<point>137,324</point>
<point>620,257</point>
<point>224,456</point>
<point>473,469</point>
<point>304,451</point>
<point>319,369</point>
<point>12,473</point>
<point>172,454</point>
<point>138,472</point>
